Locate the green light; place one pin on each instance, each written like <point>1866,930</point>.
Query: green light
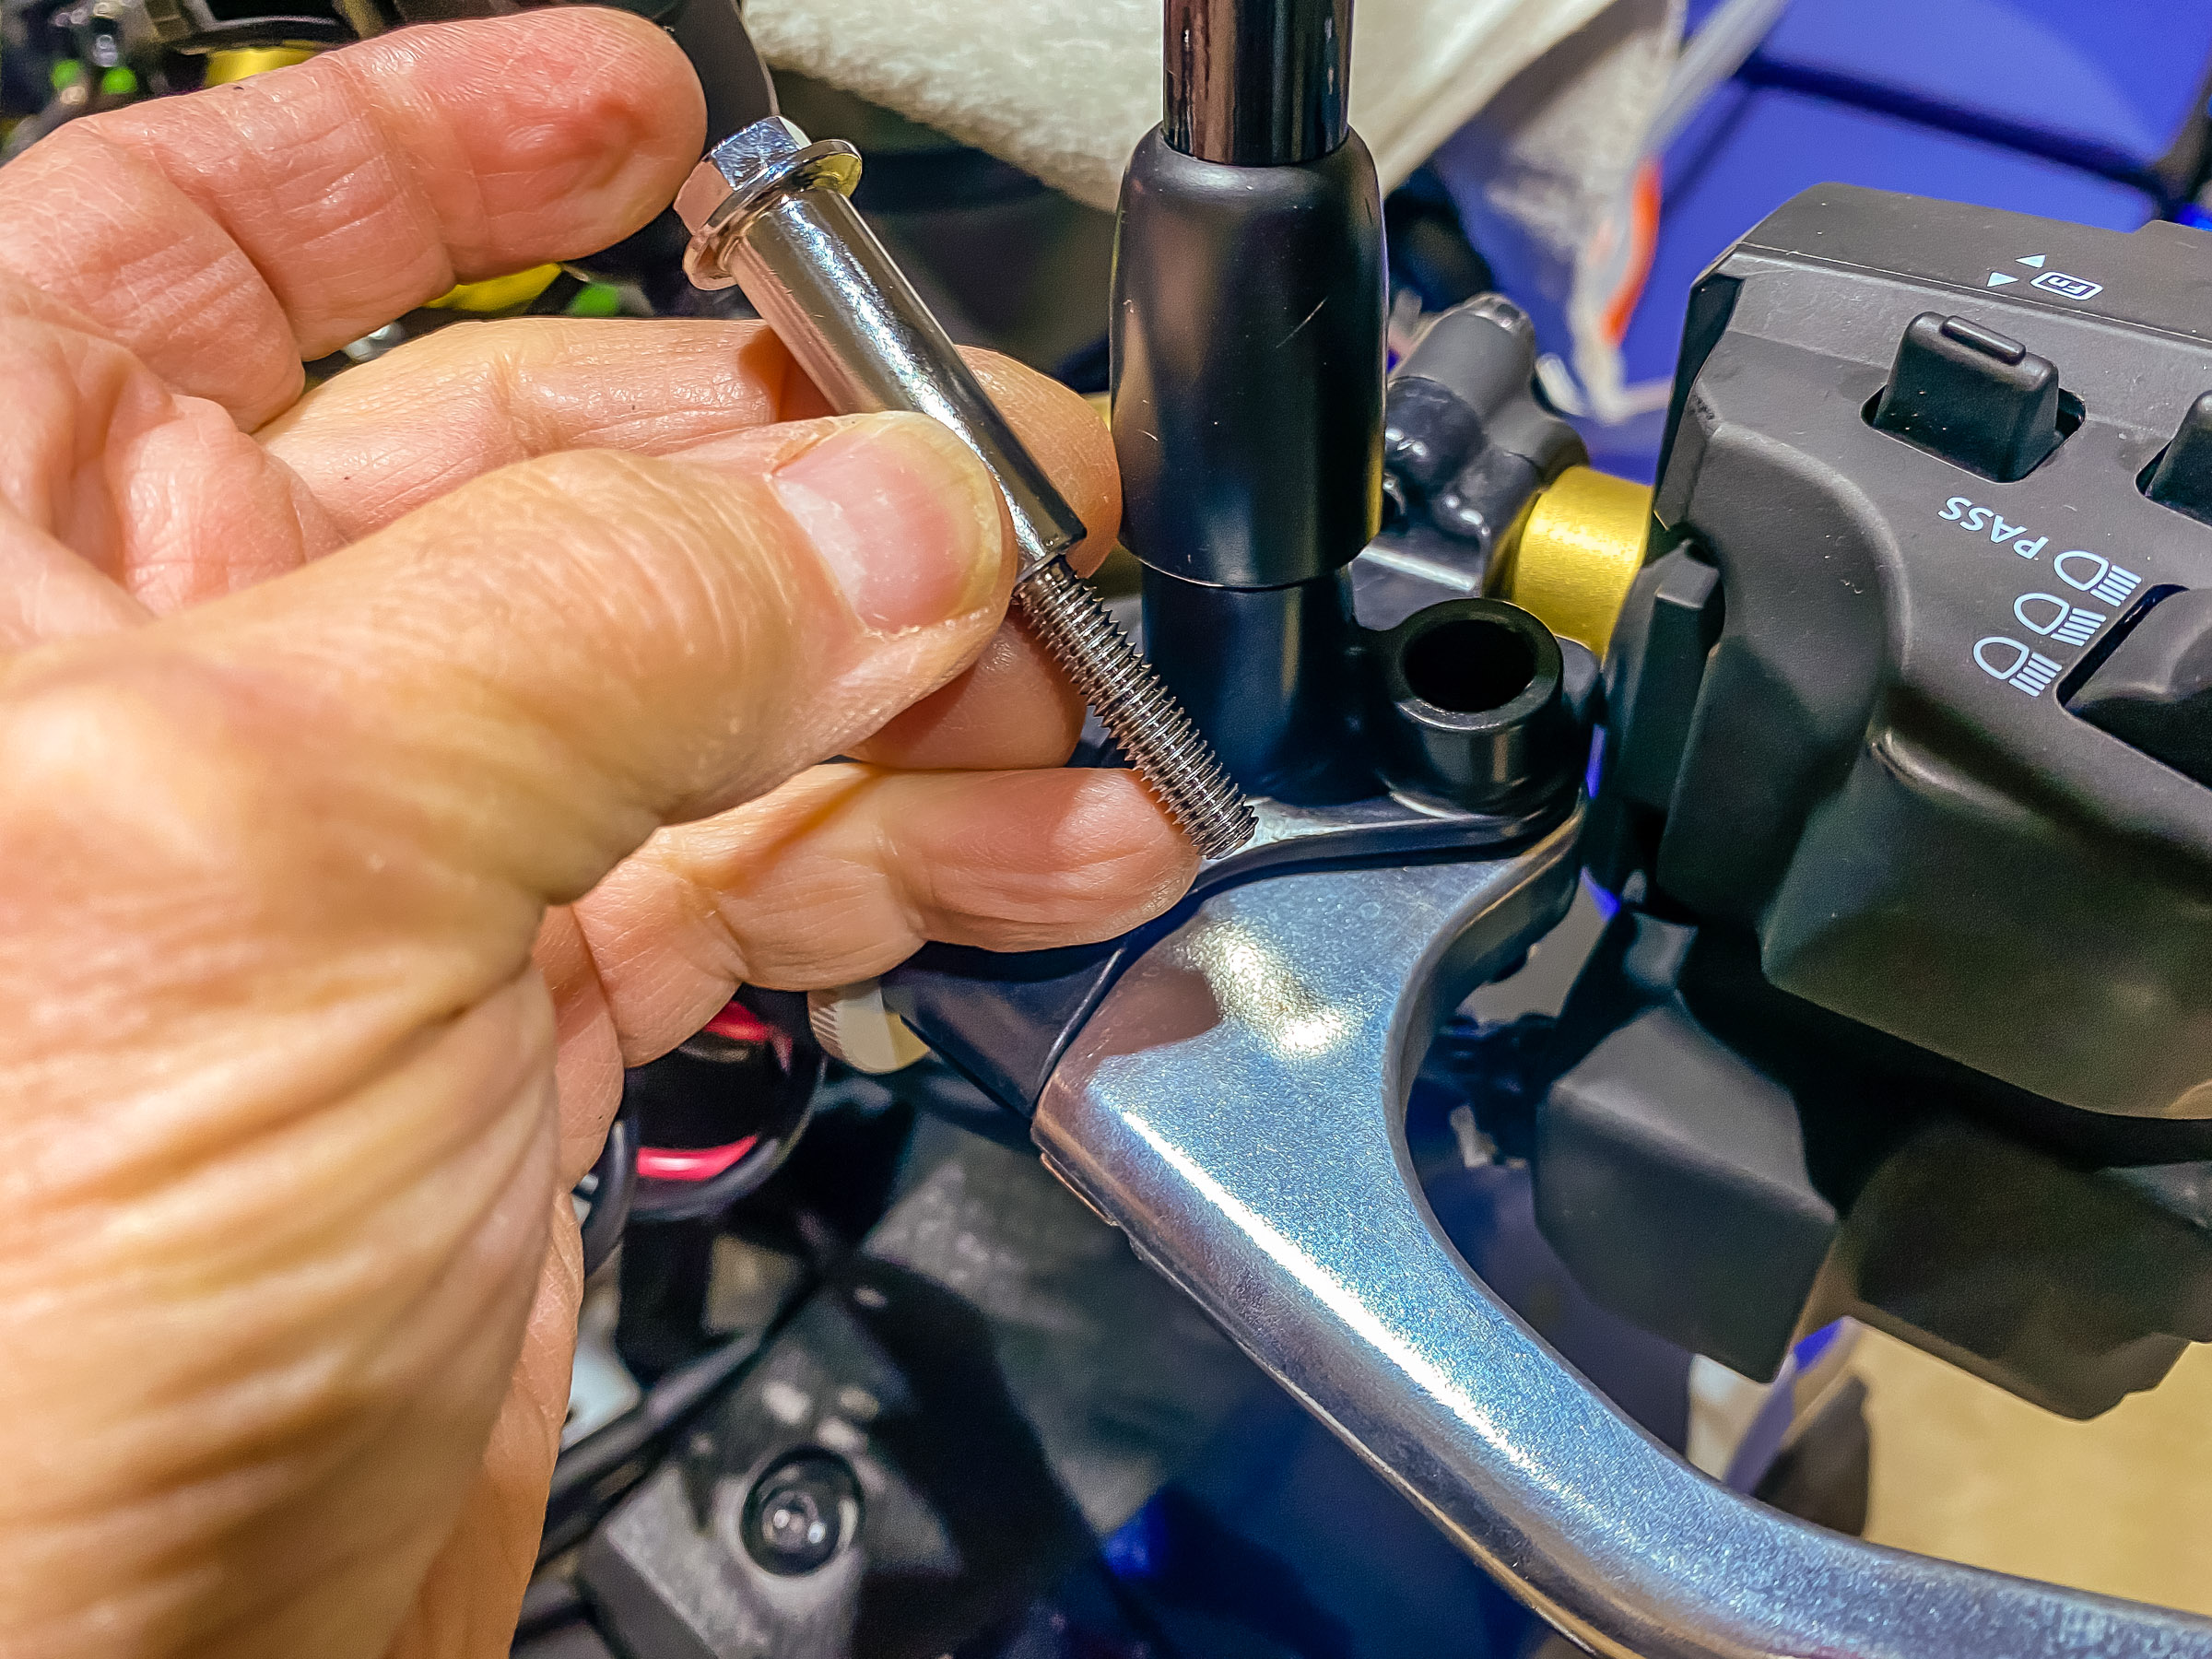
<point>119,82</point>
<point>66,74</point>
<point>596,300</point>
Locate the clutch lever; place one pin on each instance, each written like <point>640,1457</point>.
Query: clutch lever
<point>1235,1105</point>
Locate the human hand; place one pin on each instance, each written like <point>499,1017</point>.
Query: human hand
<point>385,768</point>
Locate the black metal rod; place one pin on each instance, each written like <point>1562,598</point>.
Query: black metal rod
<point>1257,83</point>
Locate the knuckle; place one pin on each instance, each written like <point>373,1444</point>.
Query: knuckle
<point>615,518</point>
<point>132,762</point>
<point>648,516</point>
<point>588,480</point>
<point>591,506</point>
<point>479,349</point>
<point>624,555</point>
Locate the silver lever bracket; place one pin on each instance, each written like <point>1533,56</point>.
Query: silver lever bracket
<point>1235,1105</point>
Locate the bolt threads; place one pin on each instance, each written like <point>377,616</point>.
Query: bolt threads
<point>1155,736</point>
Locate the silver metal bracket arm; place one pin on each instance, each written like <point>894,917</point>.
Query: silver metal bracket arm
<point>1237,1105</point>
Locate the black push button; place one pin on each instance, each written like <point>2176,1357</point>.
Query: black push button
<point>2182,478</point>
<point>2154,692</point>
<point>1971,395</point>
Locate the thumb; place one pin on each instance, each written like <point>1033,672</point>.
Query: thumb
<point>594,643</point>
<point>417,744</point>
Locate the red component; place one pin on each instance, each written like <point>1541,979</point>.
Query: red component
<point>740,1024</point>
<point>692,1163</point>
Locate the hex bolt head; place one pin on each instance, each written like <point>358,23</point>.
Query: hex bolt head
<point>800,1514</point>
<point>734,164</point>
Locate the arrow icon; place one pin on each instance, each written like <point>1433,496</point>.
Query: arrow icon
<point>2033,259</point>
<point>1998,280</point>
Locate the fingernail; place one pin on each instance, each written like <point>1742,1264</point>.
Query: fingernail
<point>904,517</point>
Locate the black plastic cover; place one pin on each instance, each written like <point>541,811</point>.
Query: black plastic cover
<point>1247,332</point>
<point>1733,1168</point>
<point>1661,1124</point>
<point>1879,781</point>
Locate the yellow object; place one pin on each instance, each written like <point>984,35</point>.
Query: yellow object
<point>1579,547</point>
<point>236,64</point>
<point>498,293</point>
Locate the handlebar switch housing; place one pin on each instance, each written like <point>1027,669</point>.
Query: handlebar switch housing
<point>1884,775</point>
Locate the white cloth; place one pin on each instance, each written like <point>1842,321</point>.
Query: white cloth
<point>1544,178</point>
<point>1064,89</point>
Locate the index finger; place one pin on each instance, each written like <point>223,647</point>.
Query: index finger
<point>226,235</point>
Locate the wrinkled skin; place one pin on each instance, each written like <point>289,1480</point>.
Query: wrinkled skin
<point>386,767</point>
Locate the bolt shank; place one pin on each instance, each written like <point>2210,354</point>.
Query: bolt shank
<point>767,211</point>
<point>816,274</point>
